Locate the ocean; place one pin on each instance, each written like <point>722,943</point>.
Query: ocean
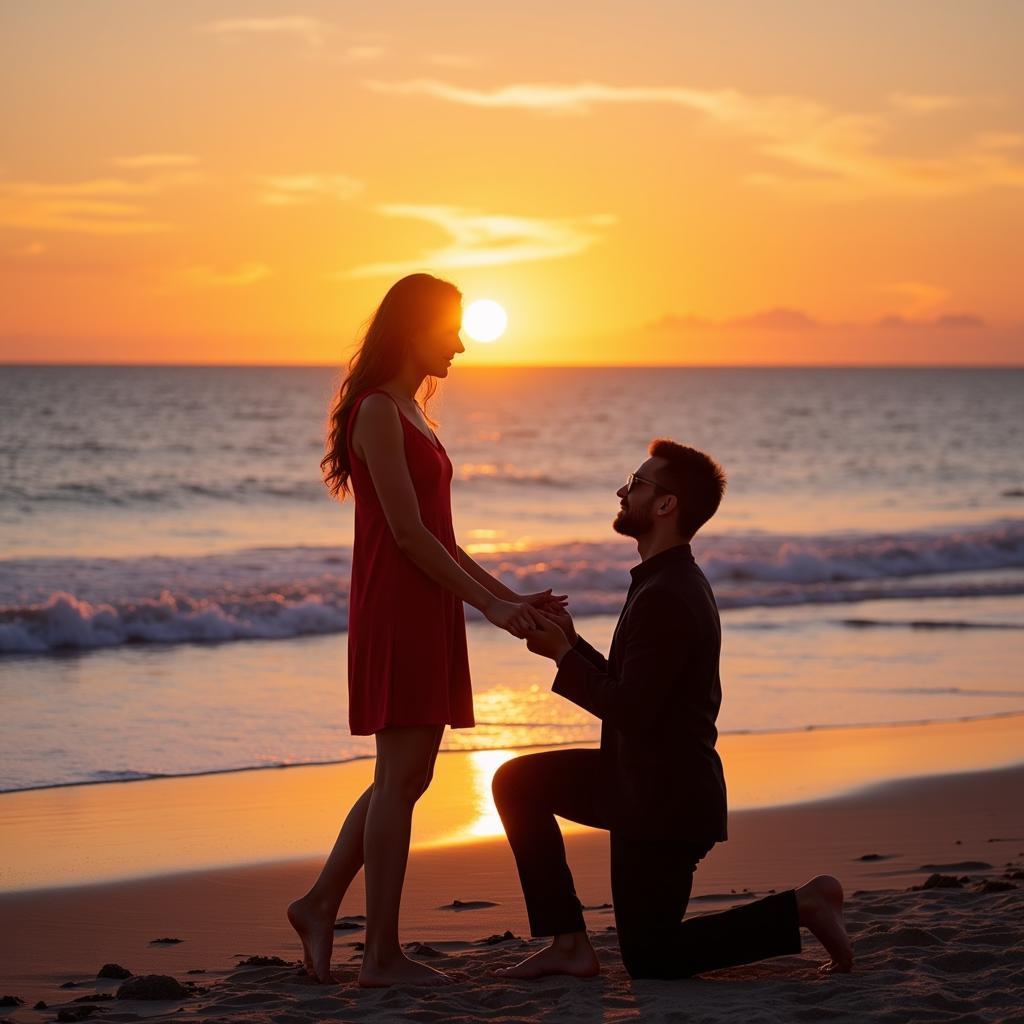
<point>174,575</point>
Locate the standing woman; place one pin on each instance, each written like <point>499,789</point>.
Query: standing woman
<point>408,668</point>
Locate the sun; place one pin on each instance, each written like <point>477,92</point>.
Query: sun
<point>484,320</point>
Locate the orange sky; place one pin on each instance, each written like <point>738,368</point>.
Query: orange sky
<point>652,182</point>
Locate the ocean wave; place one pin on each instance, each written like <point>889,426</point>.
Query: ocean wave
<point>80,603</point>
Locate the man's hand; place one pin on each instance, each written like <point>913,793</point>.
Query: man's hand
<point>561,618</point>
<point>546,638</point>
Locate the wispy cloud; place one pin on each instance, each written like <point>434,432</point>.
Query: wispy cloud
<point>836,154</point>
<point>453,60</point>
<point>488,239</point>
<point>918,297</point>
<point>786,320</point>
<point>365,52</point>
<point>96,206</point>
<point>926,103</point>
<point>312,31</point>
<point>296,189</point>
<point>145,160</point>
<point>956,321</point>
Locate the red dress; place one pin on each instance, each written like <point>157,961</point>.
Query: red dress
<point>407,658</point>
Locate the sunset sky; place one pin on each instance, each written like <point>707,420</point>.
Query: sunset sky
<point>651,182</point>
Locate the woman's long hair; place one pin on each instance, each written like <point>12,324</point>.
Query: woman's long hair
<point>411,303</point>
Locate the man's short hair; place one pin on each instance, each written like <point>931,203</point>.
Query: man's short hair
<point>695,478</point>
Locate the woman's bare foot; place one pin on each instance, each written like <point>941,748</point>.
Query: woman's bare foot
<point>399,970</point>
<point>820,905</point>
<point>568,954</point>
<point>315,926</point>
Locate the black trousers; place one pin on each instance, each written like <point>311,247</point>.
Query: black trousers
<point>651,878</point>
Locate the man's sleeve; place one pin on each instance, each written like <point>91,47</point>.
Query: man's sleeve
<point>659,644</point>
<point>592,655</point>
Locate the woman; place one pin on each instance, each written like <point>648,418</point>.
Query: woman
<point>407,657</point>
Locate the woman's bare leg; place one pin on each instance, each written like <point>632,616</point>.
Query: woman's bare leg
<point>405,759</point>
<point>314,914</point>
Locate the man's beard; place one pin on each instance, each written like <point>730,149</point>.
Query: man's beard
<point>633,522</point>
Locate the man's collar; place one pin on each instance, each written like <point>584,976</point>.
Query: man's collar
<point>677,554</point>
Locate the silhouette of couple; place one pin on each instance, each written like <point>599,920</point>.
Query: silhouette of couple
<point>656,782</point>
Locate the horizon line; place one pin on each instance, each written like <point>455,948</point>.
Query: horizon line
<point>550,366</point>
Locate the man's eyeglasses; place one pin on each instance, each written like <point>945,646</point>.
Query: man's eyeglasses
<point>634,477</point>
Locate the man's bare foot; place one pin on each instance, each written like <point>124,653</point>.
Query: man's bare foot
<point>820,904</point>
<point>568,954</point>
<point>315,926</point>
<point>399,970</point>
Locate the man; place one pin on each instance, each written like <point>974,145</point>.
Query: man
<point>656,783</point>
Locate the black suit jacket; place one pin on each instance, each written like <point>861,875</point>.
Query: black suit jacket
<point>657,695</point>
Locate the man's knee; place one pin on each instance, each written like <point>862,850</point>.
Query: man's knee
<point>508,781</point>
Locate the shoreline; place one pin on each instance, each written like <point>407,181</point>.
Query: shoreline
<point>74,836</point>
<point>519,747</point>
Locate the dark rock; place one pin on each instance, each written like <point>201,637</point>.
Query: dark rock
<point>40,1005</point>
<point>94,997</point>
<point>113,971</point>
<point>872,856</point>
<point>963,865</point>
<point>265,961</point>
<point>69,984</point>
<point>938,881</point>
<point>468,905</point>
<point>152,986</point>
<point>993,885</point>
<point>11,1001</point>
<point>349,924</point>
<point>164,942</point>
<point>1015,874</point>
<point>197,970</point>
<point>422,949</point>
<point>78,1012</point>
<point>599,906</point>
<point>493,940</point>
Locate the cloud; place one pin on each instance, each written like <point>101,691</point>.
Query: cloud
<point>155,160</point>
<point>826,153</point>
<point>453,60</point>
<point>925,103</point>
<point>96,206</point>
<point>947,320</point>
<point>296,189</point>
<point>205,276</point>
<point>312,31</point>
<point>919,297</point>
<point>777,319</point>
<point>783,319</point>
<point>488,239</point>
<point>365,52</point>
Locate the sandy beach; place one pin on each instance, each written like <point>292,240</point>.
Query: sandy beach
<point>947,952</point>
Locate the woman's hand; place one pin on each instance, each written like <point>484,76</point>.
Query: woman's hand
<point>545,600</point>
<point>511,615</point>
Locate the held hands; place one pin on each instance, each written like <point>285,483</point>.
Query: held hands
<point>533,613</point>
<point>547,638</point>
<point>511,615</point>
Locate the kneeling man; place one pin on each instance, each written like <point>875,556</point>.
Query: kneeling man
<point>656,783</point>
